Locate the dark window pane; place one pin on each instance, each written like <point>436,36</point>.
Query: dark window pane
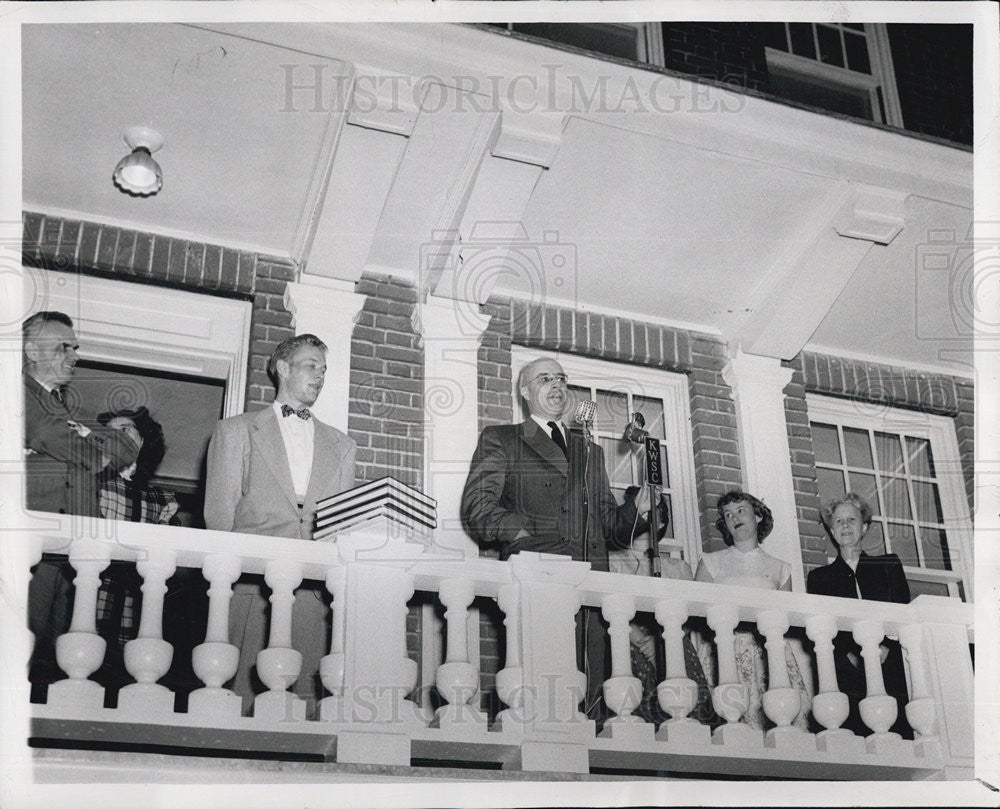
<point>857,26</point>
<point>858,448</point>
<point>612,411</point>
<point>829,45</point>
<point>665,465</point>
<point>873,543</point>
<point>935,547</point>
<point>928,502</point>
<point>897,498</point>
<point>864,485</point>
<point>802,39</point>
<point>670,515</point>
<point>903,543</point>
<point>613,40</point>
<point>890,453</point>
<point>831,484</point>
<point>921,458</point>
<point>652,411</point>
<point>774,36</point>
<point>618,460</point>
<point>857,53</point>
<point>824,94</point>
<point>928,588</point>
<point>825,443</point>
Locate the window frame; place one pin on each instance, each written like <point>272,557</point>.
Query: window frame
<point>670,387</point>
<point>886,107</point>
<point>940,432</point>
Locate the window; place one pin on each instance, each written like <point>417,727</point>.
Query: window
<point>662,397</point>
<point>841,67</point>
<point>639,42</point>
<point>906,465</point>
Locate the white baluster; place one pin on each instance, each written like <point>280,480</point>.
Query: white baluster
<point>148,656</point>
<point>730,697</point>
<point>457,679</point>
<point>279,665</point>
<point>781,701</point>
<point>81,650</point>
<point>215,660</point>
<point>921,712</point>
<point>331,667</point>
<point>830,706</point>
<point>678,693</point>
<point>878,710</point>
<point>622,691</point>
<point>510,679</point>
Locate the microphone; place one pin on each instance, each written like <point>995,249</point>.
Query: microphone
<point>585,412</point>
<point>633,430</point>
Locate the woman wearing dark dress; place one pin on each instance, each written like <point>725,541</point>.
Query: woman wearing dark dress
<point>855,574</point>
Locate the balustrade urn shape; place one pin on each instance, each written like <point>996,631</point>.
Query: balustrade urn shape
<point>921,710</point>
<point>622,691</point>
<point>279,665</point>
<point>781,701</point>
<point>215,661</point>
<point>510,679</point>
<point>878,710</point>
<point>332,666</point>
<point>677,694</point>
<point>830,707</point>
<point>730,698</point>
<point>147,657</point>
<point>457,679</point>
<point>80,651</point>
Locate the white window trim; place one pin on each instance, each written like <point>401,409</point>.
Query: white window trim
<point>940,431</point>
<point>151,327</point>
<point>882,76</point>
<point>672,388</point>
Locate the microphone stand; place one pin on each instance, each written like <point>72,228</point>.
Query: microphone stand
<point>654,479</point>
<point>586,494</point>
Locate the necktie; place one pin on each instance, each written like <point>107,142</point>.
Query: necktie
<point>557,436</point>
<point>303,412</point>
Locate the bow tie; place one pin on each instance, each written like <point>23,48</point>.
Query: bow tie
<point>58,395</point>
<point>302,412</point>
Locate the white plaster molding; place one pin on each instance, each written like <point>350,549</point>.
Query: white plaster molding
<point>451,332</point>
<point>872,214</point>
<point>758,384</point>
<point>328,308</point>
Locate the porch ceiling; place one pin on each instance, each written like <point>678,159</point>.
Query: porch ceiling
<point>669,222</point>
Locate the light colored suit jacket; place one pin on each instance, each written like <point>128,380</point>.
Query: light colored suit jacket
<point>249,486</point>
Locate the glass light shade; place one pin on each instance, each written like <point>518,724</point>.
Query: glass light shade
<point>138,174</point>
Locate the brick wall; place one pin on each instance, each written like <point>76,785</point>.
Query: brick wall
<point>729,52</point>
<point>386,408</point>
<point>933,65</point>
<point>872,383</point>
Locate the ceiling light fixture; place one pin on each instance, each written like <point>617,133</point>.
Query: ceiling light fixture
<point>137,173</point>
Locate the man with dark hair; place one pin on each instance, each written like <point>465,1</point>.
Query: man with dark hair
<point>63,460</point>
<point>266,470</point>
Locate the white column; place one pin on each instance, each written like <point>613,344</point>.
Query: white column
<point>678,693</point>
<point>451,332</point>
<point>781,700</point>
<point>457,678</point>
<point>279,665</point>
<point>757,384</point>
<point>622,691</point>
<point>878,710</point>
<point>328,308</point>
<point>730,697</point>
<point>830,706</point>
<point>510,679</point>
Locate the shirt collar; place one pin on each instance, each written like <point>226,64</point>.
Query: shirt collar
<point>544,424</point>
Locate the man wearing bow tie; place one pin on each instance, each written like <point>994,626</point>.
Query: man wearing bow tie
<point>266,470</point>
<point>63,459</point>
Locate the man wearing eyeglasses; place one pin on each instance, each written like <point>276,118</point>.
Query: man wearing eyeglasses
<point>538,486</point>
<point>266,470</point>
<point>64,457</point>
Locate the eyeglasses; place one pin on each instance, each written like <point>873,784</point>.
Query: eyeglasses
<point>547,379</point>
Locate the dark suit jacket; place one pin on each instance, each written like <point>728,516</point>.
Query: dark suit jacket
<point>519,478</point>
<point>880,578</point>
<point>62,469</point>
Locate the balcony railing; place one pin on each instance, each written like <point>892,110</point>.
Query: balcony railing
<point>367,717</point>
